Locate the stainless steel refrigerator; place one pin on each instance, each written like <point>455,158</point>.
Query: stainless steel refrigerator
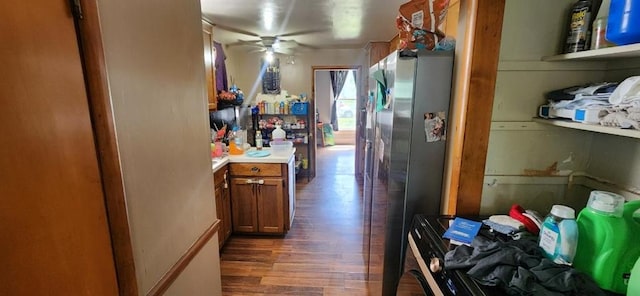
<point>404,154</point>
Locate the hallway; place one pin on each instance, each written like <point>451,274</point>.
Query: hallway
<point>321,254</point>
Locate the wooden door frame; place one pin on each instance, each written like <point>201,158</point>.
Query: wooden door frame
<point>359,85</point>
<point>101,109</point>
<point>477,55</point>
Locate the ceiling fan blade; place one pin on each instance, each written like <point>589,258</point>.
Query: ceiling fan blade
<point>254,43</point>
<point>285,44</point>
<point>283,51</point>
<point>235,30</point>
<point>304,32</point>
<point>258,50</point>
<point>307,46</point>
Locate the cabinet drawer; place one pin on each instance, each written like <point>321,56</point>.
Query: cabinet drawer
<point>256,169</point>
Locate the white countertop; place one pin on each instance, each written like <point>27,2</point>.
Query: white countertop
<point>218,162</point>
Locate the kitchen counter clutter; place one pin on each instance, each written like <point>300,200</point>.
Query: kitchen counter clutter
<point>218,162</point>
<point>261,190</point>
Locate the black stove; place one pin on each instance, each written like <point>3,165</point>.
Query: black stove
<point>426,236</point>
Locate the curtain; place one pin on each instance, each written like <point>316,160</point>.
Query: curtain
<point>338,79</point>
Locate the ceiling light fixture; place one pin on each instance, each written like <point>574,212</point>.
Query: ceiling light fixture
<point>268,56</point>
<point>268,16</point>
<point>347,19</point>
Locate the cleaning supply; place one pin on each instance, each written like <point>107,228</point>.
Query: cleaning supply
<point>634,280</point>
<point>578,36</point>
<point>623,24</point>
<point>599,27</point>
<point>278,134</point>
<point>559,235</point>
<point>609,240</point>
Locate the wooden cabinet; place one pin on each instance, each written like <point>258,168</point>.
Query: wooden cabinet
<point>258,205</point>
<point>209,65</point>
<point>262,199</point>
<point>223,204</point>
<point>377,51</point>
<point>244,205</point>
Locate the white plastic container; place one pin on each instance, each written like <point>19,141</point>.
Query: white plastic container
<point>281,147</point>
<point>278,134</point>
<point>559,235</point>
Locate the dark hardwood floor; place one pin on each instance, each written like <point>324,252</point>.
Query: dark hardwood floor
<point>323,252</point>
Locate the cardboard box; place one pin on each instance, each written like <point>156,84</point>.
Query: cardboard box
<point>421,22</point>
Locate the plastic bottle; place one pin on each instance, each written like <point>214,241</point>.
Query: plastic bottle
<point>235,142</point>
<point>579,32</point>
<point>607,231</point>
<point>599,27</point>
<point>623,25</point>
<point>634,280</point>
<point>258,140</point>
<point>278,134</point>
<point>559,235</point>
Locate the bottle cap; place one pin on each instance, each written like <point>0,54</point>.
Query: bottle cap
<point>563,212</point>
<point>606,203</point>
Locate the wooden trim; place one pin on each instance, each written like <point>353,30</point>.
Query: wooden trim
<point>172,274</point>
<point>92,51</point>
<point>472,115</point>
<point>462,73</point>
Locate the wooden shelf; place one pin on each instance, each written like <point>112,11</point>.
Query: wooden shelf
<point>629,133</point>
<point>624,51</point>
<point>270,114</point>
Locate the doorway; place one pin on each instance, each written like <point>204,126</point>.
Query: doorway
<point>336,92</point>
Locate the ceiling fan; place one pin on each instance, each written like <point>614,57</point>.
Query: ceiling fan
<point>269,43</point>
<point>274,44</point>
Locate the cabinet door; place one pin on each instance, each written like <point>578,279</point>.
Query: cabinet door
<point>243,205</point>
<point>270,199</point>
<point>219,196</point>
<point>226,208</point>
<point>209,65</point>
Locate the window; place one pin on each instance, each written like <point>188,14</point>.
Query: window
<point>346,107</point>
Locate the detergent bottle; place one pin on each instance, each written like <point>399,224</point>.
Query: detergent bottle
<point>609,232</point>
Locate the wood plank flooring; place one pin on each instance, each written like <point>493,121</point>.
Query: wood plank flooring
<point>323,252</point>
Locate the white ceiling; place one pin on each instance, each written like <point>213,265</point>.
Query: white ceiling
<point>317,23</point>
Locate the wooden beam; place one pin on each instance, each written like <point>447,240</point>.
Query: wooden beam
<point>477,64</point>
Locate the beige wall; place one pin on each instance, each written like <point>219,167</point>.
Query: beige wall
<point>197,279</point>
<point>294,78</point>
<point>155,66</point>
<point>516,143</point>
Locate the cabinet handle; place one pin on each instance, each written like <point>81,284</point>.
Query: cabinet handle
<point>261,182</point>
<point>255,169</point>
<point>226,184</point>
